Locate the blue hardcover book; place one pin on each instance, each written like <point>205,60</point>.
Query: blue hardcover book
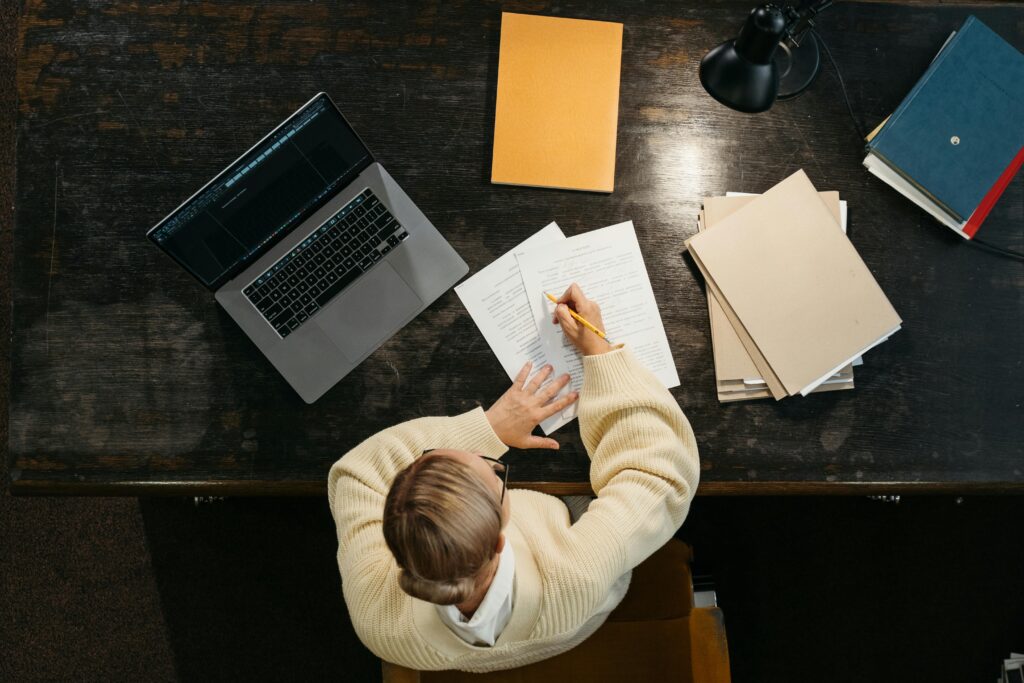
<point>958,136</point>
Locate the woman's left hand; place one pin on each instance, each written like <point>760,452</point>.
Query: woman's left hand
<point>525,405</point>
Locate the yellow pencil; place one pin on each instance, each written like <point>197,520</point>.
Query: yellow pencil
<point>580,319</point>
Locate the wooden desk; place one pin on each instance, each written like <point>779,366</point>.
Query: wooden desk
<point>128,379</point>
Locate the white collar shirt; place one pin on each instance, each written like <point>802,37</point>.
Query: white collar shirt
<point>494,611</point>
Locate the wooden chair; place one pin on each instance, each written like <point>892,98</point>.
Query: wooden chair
<point>655,634</point>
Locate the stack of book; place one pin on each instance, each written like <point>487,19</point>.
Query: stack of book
<point>792,305</point>
<point>1013,669</point>
<point>957,139</point>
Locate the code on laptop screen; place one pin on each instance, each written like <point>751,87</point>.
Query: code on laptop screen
<point>270,190</point>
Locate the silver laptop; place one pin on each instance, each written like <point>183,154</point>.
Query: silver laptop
<point>312,248</point>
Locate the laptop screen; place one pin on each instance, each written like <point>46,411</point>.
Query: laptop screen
<point>266,193</point>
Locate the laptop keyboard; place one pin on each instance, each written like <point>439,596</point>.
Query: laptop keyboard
<point>347,245</point>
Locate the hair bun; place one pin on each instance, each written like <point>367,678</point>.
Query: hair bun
<point>437,592</point>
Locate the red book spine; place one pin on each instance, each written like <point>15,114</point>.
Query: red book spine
<point>992,196</point>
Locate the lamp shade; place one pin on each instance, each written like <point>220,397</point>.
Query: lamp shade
<point>741,73</point>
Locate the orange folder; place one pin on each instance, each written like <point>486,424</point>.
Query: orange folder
<point>558,103</point>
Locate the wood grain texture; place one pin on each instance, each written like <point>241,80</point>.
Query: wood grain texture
<point>127,378</point>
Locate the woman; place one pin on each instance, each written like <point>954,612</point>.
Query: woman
<point>442,568</point>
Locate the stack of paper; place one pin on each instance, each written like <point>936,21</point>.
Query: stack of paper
<point>792,305</point>
<point>506,300</point>
<point>737,377</point>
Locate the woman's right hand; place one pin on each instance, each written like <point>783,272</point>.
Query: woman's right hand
<point>588,342</point>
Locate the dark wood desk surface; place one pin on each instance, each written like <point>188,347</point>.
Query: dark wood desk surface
<point>127,378</point>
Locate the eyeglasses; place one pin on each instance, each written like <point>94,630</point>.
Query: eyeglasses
<point>500,471</point>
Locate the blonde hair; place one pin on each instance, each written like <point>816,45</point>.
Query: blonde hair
<point>442,524</point>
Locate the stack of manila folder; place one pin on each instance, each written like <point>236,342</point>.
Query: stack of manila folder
<point>782,287</point>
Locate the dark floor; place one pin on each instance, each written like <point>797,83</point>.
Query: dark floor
<point>813,589</point>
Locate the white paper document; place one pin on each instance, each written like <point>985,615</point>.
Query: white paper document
<point>497,302</point>
<point>609,268</point>
<point>509,307</point>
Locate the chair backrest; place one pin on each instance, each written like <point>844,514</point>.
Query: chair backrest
<point>654,634</point>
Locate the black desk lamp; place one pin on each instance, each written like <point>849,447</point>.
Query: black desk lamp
<point>748,74</point>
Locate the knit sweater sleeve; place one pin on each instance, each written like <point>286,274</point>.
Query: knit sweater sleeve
<point>359,482</point>
<point>644,464</point>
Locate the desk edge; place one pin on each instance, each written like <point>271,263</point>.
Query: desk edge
<point>241,488</point>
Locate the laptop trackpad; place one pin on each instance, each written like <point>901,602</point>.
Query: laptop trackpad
<point>369,311</point>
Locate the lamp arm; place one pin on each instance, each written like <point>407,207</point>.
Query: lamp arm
<point>801,18</point>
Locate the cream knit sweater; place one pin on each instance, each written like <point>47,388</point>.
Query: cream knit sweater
<point>644,469</point>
